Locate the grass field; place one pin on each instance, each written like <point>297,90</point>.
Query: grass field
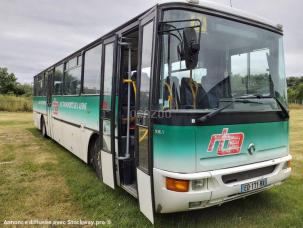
<point>41,180</point>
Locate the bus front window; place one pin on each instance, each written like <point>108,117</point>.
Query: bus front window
<point>235,61</point>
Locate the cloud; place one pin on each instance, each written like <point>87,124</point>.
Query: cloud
<point>34,34</point>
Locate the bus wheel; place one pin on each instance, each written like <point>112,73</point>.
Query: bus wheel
<point>95,160</point>
<point>43,128</point>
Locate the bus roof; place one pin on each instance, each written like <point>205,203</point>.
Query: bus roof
<point>224,8</point>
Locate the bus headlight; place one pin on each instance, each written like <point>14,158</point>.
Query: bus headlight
<point>197,185</point>
<point>177,185</point>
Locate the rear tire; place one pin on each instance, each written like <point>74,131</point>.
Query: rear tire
<point>95,157</point>
<point>43,128</point>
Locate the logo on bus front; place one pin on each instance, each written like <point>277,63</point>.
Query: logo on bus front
<point>228,143</point>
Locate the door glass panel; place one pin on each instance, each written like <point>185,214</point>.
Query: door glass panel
<point>49,87</point>
<point>143,148</point>
<point>106,130</point>
<point>107,96</point>
<point>147,43</point>
<point>146,66</point>
<point>108,74</point>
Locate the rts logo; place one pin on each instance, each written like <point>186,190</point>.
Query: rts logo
<point>234,143</point>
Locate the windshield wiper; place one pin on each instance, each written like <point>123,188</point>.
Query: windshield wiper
<point>283,108</point>
<point>280,104</point>
<point>217,111</point>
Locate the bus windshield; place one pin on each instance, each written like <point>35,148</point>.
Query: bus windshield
<point>235,61</point>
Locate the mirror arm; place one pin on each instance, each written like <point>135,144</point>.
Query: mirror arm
<point>162,24</point>
<point>167,23</point>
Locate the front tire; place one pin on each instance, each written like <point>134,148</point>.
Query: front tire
<point>95,157</point>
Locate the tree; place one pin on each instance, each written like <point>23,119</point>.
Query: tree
<point>8,81</point>
<point>292,94</point>
<point>299,89</point>
<point>293,81</point>
<point>9,84</point>
<point>23,89</point>
<point>295,89</point>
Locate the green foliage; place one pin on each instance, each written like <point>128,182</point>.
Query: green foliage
<point>7,81</point>
<point>10,86</point>
<point>24,90</point>
<point>293,81</point>
<point>295,90</point>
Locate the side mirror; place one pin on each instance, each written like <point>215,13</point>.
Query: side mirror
<point>191,48</point>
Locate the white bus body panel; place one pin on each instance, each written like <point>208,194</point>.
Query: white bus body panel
<point>36,119</point>
<point>216,191</point>
<point>74,139</point>
<point>57,129</point>
<point>145,195</point>
<point>107,169</point>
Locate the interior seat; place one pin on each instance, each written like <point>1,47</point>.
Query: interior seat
<point>188,93</point>
<point>172,92</point>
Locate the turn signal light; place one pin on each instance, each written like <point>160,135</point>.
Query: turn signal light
<point>177,185</point>
<point>287,165</point>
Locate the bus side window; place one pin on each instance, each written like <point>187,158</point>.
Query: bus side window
<point>58,80</point>
<point>40,85</point>
<point>35,86</point>
<point>72,77</point>
<point>92,70</point>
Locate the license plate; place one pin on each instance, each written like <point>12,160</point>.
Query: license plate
<point>253,185</point>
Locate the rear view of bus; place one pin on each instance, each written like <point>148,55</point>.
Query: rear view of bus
<point>221,78</point>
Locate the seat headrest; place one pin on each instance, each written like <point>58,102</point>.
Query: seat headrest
<point>134,76</point>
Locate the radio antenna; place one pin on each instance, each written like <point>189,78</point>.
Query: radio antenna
<point>231,5</point>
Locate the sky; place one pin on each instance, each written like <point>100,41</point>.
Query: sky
<point>35,34</point>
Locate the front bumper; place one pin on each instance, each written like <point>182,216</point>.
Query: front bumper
<point>215,191</point>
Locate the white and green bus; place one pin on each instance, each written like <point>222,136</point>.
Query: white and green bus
<point>184,106</point>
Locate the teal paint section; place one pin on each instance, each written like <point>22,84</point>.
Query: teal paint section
<point>39,104</point>
<point>75,109</point>
<point>185,148</point>
<point>78,110</point>
<point>174,148</point>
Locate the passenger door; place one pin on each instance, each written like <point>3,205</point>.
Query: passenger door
<point>143,128</point>
<point>49,88</point>
<point>107,111</point>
